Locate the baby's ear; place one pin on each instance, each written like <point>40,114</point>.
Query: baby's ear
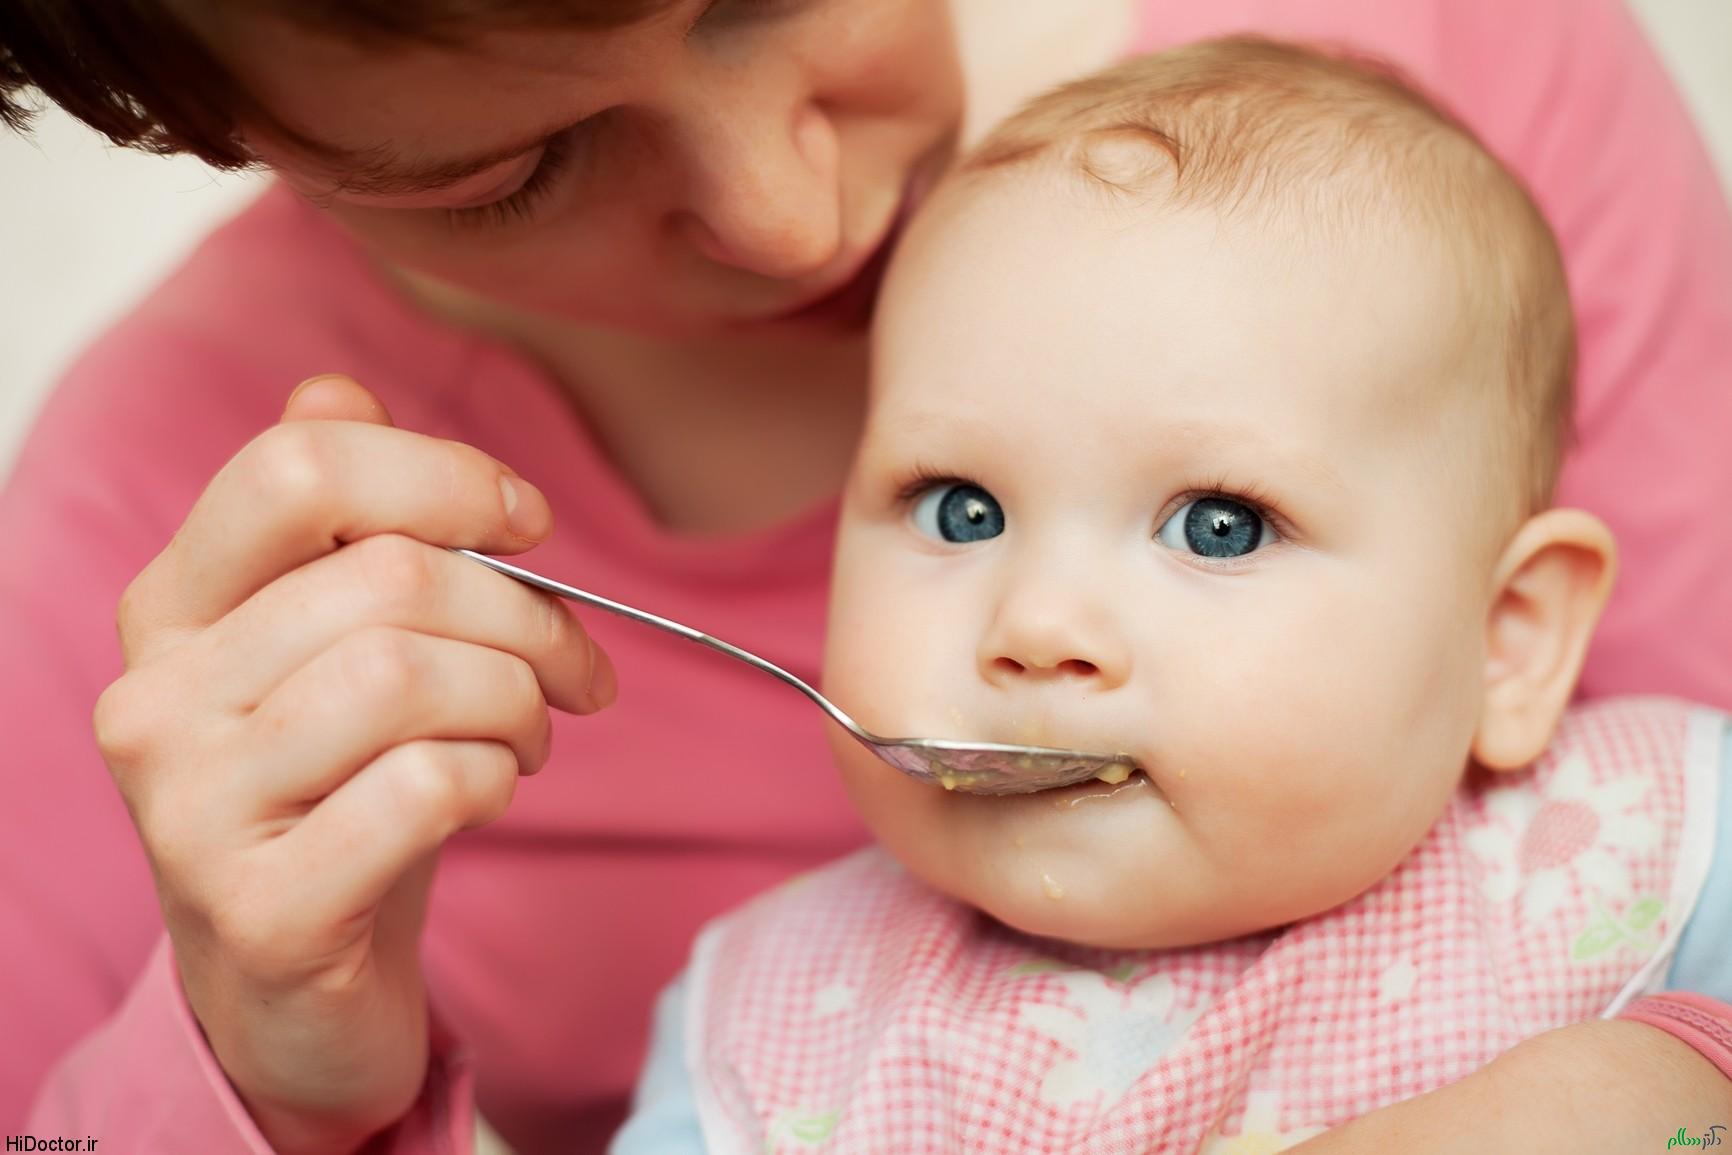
<point>1552,582</point>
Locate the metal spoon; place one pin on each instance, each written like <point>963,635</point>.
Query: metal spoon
<point>971,767</point>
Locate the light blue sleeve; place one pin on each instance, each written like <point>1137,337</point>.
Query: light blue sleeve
<point>664,1113</point>
<point>1703,962</point>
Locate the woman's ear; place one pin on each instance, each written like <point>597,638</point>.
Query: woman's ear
<point>1552,582</point>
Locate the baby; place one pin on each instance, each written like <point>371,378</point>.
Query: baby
<point>1218,403</point>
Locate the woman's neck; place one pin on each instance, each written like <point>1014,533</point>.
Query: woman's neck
<point>716,436</point>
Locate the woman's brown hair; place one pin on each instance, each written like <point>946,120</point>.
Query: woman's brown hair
<point>136,72</point>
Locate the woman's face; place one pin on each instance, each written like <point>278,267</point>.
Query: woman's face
<point>720,166</point>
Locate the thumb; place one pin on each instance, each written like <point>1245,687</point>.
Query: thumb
<point>334,397</point>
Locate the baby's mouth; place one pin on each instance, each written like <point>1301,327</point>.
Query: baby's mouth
<point>1031,738</point>
<point>1116,773</point>
<point>1117,767</point>
<point>1097,791</point>
<point>1007,768</point>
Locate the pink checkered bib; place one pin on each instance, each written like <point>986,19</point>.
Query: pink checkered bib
<point>856,1011</point>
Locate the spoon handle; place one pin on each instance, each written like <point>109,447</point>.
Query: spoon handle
<point>572,593</point>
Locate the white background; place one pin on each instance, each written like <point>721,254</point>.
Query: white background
<point>86,229</point>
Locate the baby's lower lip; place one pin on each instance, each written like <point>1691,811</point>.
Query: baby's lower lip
<point>1096,790</point>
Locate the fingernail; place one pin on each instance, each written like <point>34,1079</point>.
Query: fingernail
<point>524,519</point>
<point>302,387</point>
<point>603,687</point>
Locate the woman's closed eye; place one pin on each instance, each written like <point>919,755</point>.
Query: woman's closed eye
<point>721,13</point>
<point>518,203</point>
<point>1218,527</point>
<point>958,512</point>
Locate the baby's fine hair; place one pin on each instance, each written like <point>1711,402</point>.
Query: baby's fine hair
<point>1254,128</point>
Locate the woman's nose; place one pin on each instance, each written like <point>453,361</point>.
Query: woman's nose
<point>1047,633</point>
<point>766,194</point>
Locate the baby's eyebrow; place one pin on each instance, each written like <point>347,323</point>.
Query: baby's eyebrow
<point>1207,438</point>
<point>1201,440</point>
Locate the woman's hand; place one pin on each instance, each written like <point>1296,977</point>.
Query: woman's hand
<point>316,696</point>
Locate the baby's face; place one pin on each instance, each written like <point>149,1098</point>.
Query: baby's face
<point>1140,479</point>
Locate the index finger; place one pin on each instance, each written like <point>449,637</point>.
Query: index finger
<point>302,489</point>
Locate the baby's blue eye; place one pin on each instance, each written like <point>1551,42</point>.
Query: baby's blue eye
<point>1214,527</point>
<point>958,513</point>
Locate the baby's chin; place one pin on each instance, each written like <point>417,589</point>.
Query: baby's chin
<point>1098,865</point>
<point>1097,900</point>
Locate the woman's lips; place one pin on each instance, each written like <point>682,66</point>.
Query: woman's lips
<point>851,304</point>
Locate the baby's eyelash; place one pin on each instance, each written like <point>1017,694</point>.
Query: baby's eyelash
<point>1219,485</point>
<point>922,477</point>
<point>556,156</point>
<point>1254,496</point>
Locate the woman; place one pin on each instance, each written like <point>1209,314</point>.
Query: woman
<point>626,250</point>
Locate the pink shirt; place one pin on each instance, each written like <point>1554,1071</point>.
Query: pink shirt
<point>551,930</point>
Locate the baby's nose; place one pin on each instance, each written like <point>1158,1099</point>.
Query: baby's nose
<point>1048,637</point>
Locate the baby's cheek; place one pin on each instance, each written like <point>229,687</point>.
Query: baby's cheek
<point>1302,816</point>
<point>866,643</point>
<point>870,673</point>
<point>905,816</point>
<point>1280,784</point>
